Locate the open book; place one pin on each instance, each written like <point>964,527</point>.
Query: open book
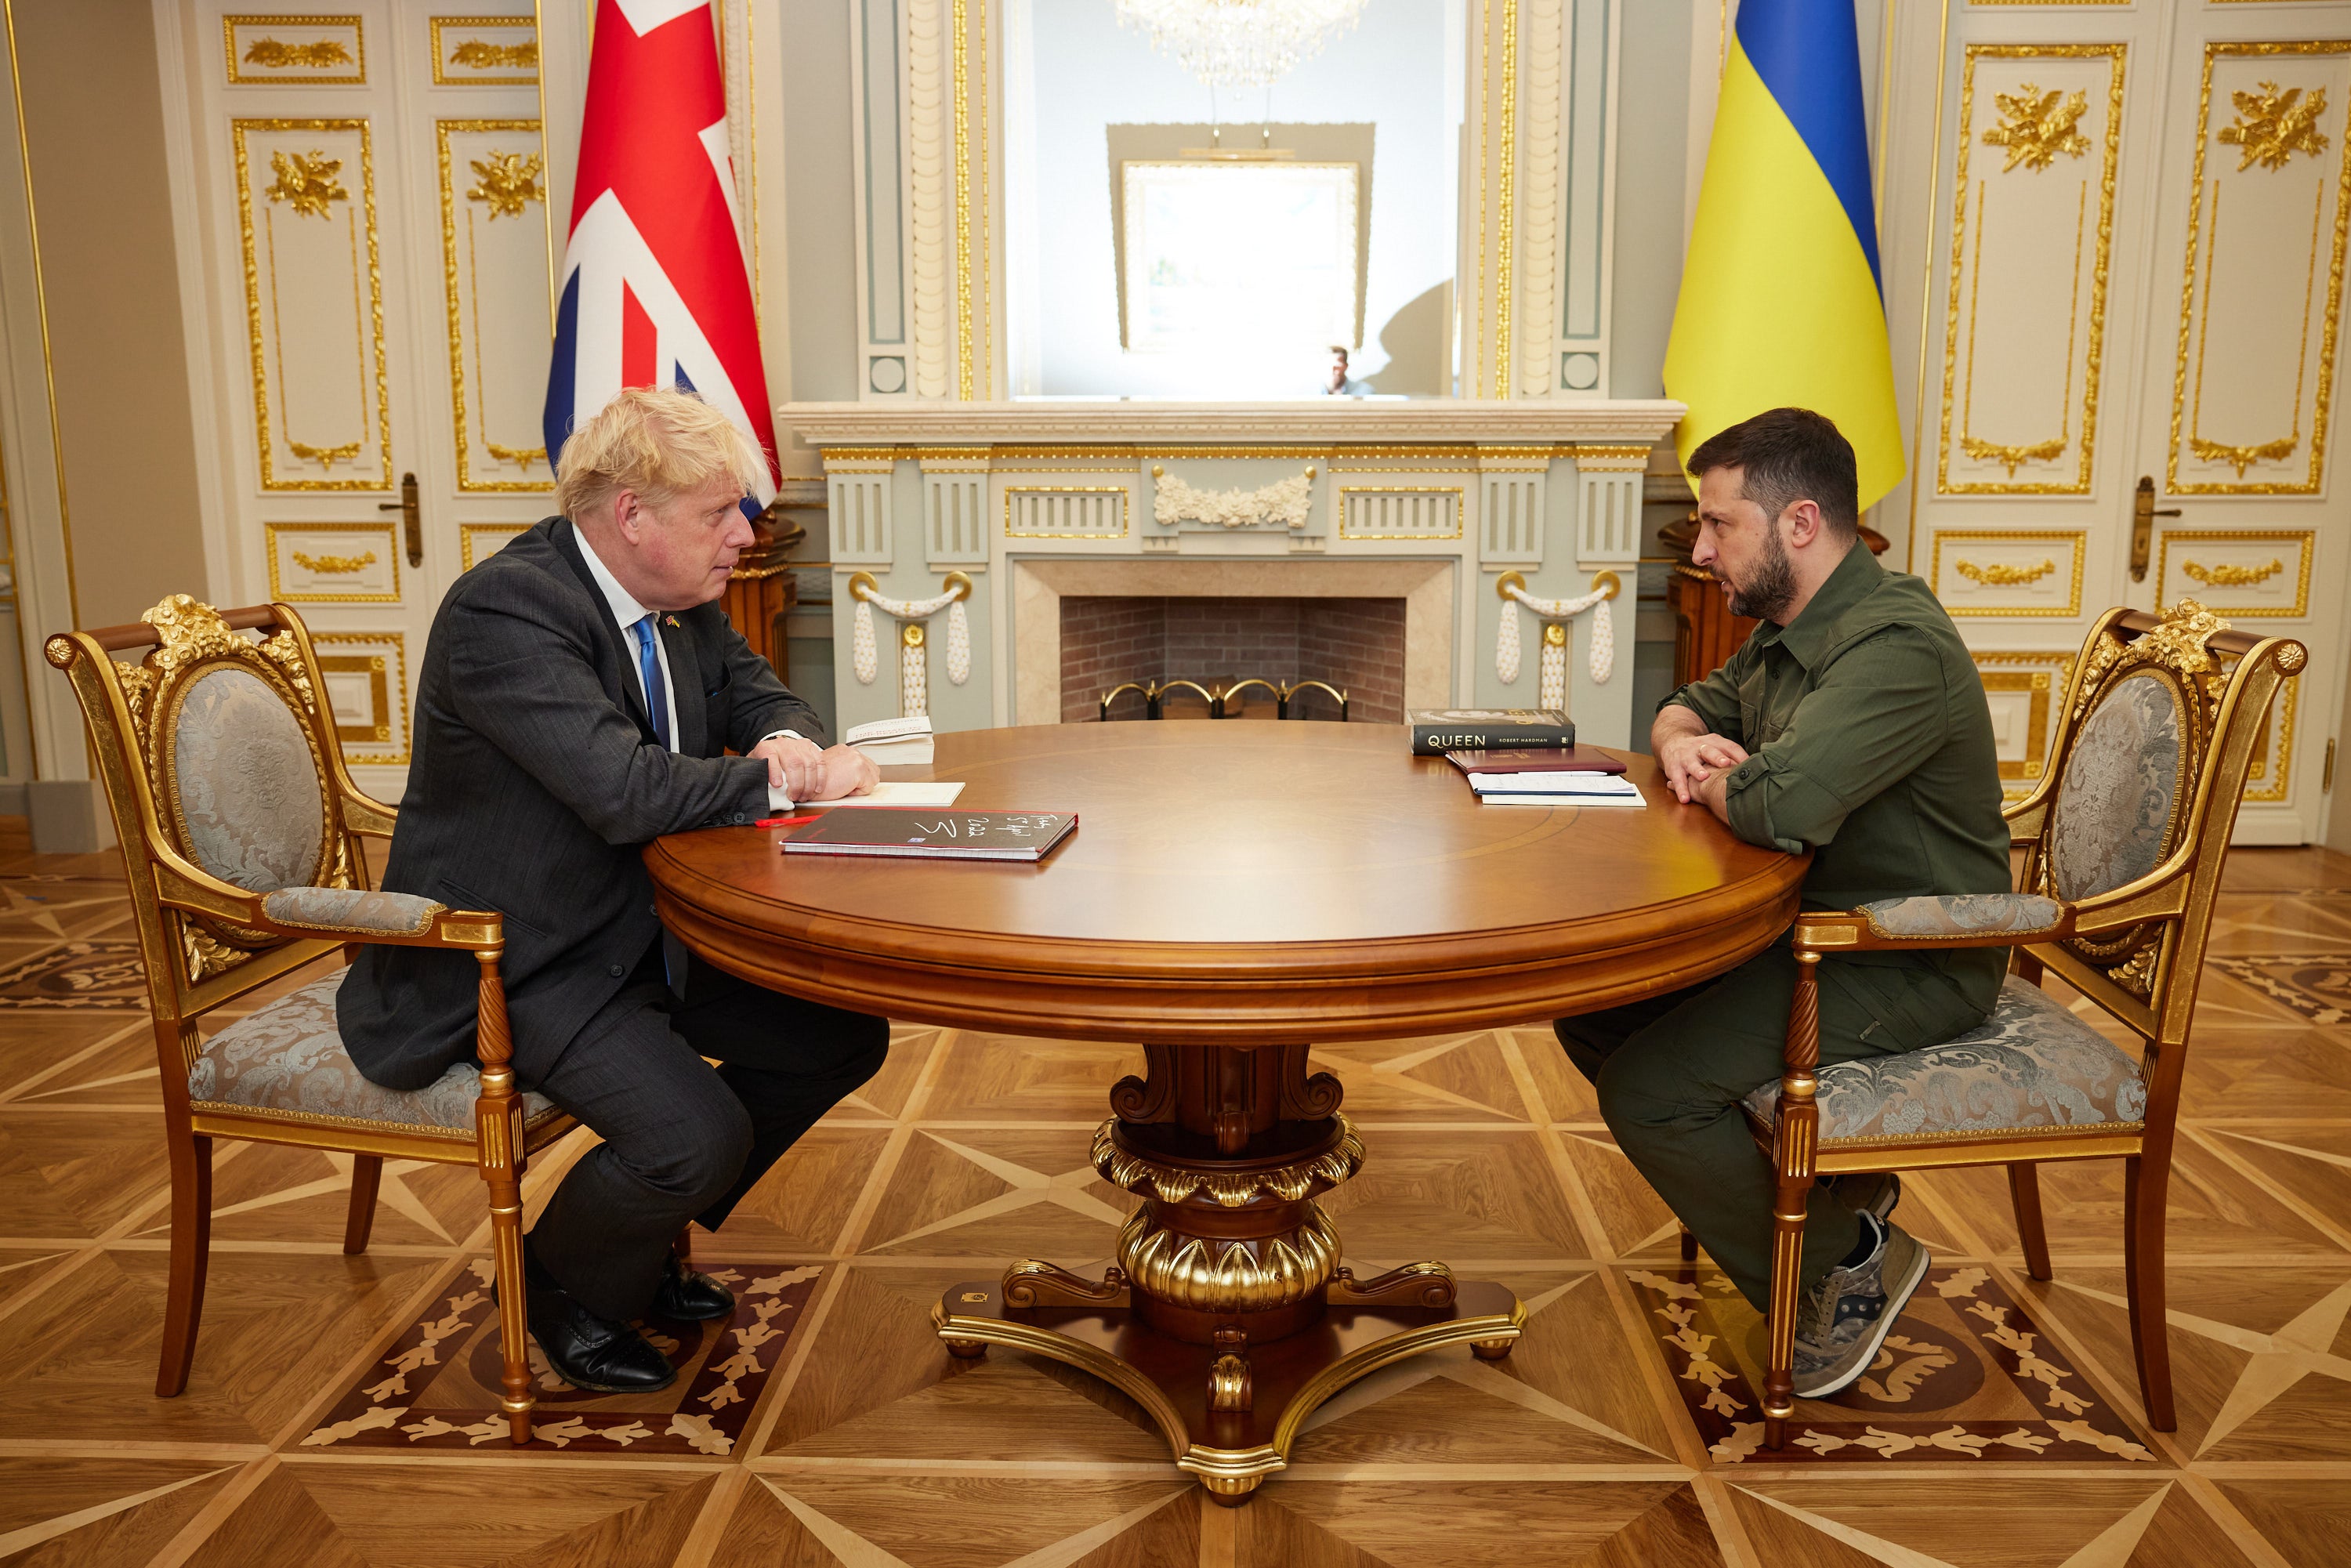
<point>892,742</point>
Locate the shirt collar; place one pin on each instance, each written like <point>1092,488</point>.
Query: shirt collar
<point>625,608</point>
<point>1808,636</point>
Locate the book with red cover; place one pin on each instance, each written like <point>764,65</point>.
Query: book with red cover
<point>933,833</point>
<point>1547,759</point>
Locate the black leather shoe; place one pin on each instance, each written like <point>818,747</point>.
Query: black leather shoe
<point>593,1353</point>
<point>690,1296</point>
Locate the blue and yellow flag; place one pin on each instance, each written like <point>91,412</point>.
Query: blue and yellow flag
<point>1781,302</point>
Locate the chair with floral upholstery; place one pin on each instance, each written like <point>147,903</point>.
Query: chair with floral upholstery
<point>2123,839</point>
<point>240,826</point>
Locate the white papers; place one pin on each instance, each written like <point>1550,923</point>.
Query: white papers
<point>897,792</point>
<point>1633,798</point>
<point>894,742</point>
<point>1580,784</point>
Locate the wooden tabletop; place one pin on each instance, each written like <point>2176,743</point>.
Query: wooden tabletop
<point>1239,884</point>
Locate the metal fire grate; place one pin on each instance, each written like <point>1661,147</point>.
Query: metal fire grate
<point>1225,697</point>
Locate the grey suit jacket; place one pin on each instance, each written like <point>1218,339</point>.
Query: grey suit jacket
<point>535,781</point>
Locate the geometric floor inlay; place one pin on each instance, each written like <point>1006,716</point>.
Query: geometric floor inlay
<point>341,1411</point>
<point>1964,1375</point>
<point>437,1386</point>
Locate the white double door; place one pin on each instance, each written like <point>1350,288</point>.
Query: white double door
<point>369,219</point>
<point>2133,272</point>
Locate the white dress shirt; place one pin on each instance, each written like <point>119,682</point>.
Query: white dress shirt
<point>628,612</point>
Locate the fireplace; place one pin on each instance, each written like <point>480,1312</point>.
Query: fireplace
<point>1354,644</point>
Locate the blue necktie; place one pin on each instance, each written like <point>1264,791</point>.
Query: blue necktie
<point>649,666</point>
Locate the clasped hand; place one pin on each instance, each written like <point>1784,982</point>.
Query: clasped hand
<point>806,772</point>
<point>1693,762</point>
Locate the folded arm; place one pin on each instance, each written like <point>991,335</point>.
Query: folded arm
<point>1880,710</point>
<point>529,686</point>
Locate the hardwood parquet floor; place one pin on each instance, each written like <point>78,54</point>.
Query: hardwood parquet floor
<point>2003,1430</point>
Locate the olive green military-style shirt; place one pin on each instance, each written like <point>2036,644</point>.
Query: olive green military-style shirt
<point>1870,744</point>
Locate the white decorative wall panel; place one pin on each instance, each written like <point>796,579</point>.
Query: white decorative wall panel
<point>494,264</point>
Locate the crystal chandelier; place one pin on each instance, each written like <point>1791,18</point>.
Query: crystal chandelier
<point>1239,43</point>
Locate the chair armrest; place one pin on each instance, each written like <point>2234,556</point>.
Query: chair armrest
<point>398,919</point>
<point>1990,919</point>
<point>351,911</point>
<point>362,815</point>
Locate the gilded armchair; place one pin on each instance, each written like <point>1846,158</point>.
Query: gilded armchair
<point>239,826</point>
<point>2124,841</point>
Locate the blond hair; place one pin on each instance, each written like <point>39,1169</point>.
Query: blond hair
<point>656,442</point>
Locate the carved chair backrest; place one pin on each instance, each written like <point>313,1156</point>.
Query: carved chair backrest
<point>2161,720</point>
<point>218,751</point>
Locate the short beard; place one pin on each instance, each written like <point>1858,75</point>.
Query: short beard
<point>1773,587</point>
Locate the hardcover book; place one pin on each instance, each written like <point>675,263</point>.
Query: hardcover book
<point>1436,731</point>
<point>930,833</point>
<point>1536,760</point>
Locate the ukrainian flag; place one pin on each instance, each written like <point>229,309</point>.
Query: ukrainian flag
<point>1781,300</point>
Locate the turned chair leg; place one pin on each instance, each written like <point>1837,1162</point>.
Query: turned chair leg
<point>367,1175</point>
<point>1689,1245</point>
<point>2024,1191</point>
<point>2144,1182</point>
<point>192,1228</point>
<point>1789,1213</point>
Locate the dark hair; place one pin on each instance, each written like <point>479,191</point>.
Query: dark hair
<point>1786,455</point>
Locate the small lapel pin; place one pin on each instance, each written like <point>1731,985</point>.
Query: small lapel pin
<point>671,620</point>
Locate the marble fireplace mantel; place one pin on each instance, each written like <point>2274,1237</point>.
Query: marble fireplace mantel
<point>1334,420</point>
<point>1439,496</point>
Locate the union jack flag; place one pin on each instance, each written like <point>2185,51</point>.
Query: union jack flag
<point>655,291</point>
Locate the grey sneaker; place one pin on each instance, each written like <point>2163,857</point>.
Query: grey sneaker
<point>1841,1320</point>
<point>1866,1192</point>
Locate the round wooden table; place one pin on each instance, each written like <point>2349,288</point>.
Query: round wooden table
<point>1233,892</point>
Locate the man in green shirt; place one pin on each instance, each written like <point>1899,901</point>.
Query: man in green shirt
<point>1851,724</point>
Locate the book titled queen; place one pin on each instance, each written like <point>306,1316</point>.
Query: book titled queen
<point>931,833</point>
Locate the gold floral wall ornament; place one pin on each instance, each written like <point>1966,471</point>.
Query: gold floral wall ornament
<point>2038,126</point>
<point>334,565</point>
<point>2231,576</point>
<point>324,457</point>
<point>2013,457</point>
<point>2274,124</point>
<point>1998,576</point>
<point>306,181</point>
<point>506,180</point>
<point>272,54</point>
<point>520,457</point>
<point>2243,458</point>
<point>480,54</point>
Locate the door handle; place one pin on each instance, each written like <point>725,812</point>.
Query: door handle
<point>412,522</point>
<point>2143,515</point>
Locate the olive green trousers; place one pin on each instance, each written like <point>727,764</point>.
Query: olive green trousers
<point>1671,1071</point>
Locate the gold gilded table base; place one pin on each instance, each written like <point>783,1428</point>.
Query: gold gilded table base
<point>1278,1383</point>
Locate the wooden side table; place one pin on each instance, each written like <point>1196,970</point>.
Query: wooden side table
<point>1705,633</point>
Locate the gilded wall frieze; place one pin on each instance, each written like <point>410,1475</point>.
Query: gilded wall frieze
<point>282,49</point>
<point>484,51</point>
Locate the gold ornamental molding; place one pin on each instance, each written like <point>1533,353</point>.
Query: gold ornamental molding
<point>505,184</point>
<point>2007,573</point>
<point>476,542</point>
<point>308,184</point>
<point>2277,131</point>
<point>2227,558</point>
<point>1285,1183</point>
<point>260,52</point>
<point>1998,576</point>
<point>351,558</point>
<point>2039,130</point>
<point>379,738</point>
<point>499,60</point>
<point>2038,677</point>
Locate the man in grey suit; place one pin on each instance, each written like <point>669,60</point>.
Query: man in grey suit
<point>578,695</point>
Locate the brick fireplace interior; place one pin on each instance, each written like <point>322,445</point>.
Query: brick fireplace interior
<point>1356,645</point>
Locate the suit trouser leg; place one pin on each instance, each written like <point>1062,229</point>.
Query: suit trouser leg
<point>1672,1071</point>
<point>682,1140</point>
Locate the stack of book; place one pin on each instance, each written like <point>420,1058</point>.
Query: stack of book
<point>1523,757</point>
